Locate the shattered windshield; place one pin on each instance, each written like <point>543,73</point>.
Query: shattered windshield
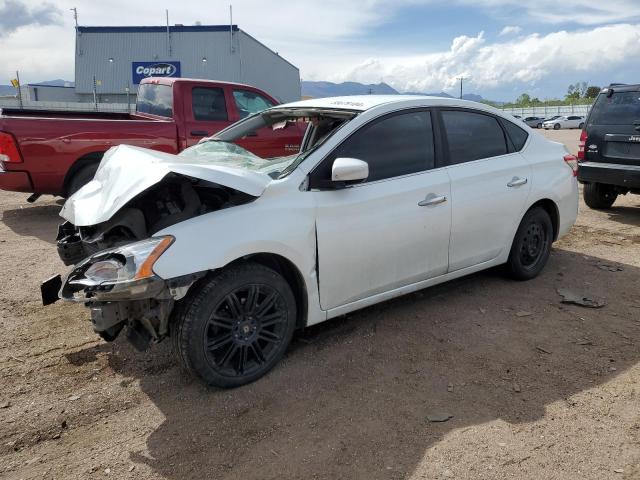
<point>232,155</point>
<point>221,149</point>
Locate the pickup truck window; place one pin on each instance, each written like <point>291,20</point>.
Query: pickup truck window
<point>209,104</point>
<point>250,102</point>
<point>155,99</point>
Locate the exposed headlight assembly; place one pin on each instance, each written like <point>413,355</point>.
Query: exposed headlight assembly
<point>122,271</point>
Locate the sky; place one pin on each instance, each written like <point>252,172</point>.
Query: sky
<point>502,47</point>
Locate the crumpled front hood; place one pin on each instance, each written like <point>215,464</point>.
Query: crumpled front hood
<point>126,171</point>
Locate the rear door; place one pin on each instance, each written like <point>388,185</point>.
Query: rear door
<point>490,184</point>
<point>207,112</point>
<point>267,142</point>
<point>613,127</point>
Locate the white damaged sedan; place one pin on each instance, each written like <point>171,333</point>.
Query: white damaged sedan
<point>229,253</point>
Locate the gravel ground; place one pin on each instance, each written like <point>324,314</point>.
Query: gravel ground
<point>536,389</point>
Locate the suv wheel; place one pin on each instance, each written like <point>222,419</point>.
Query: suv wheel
<point>599,196</point>
<point>236,326</point>
<point>556,126</point>
<point>531,246</point>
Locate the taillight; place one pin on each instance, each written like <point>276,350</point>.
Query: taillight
<point>572,161</point>
<point>8,149</point>
<point>581,144</point>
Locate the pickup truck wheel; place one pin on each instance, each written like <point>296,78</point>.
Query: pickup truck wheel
<point>83,176</point>
<point>236,326</point>
<point>599,196</point>
<point>556,126</point>
<point>531,245</point>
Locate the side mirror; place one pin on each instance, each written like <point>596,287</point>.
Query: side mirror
<point>349,170</point>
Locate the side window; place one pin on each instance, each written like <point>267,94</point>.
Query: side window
<point>250,102</point>
<point>472,136</point>
<point>209,104</point>
<point>393,146</point>
<point>517,135</point>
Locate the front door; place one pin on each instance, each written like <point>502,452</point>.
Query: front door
<point>391,230</point>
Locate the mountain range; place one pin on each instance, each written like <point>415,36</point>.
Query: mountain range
<point>309,89</point>
<point>6,90</point>
<point>329,89</point>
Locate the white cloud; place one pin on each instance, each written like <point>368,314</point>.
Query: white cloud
<point>527,59</point>
<point>510,30</point>
<point>324,38</point>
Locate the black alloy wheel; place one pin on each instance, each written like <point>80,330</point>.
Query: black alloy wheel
<point>531,246</point>
<point>236,326</point>
<point>245,329</point>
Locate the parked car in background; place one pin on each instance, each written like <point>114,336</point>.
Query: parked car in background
<point>56,152</point>
<point>609,151</point>
<point>534,122</point>
<point>228,253</point>
<point>571,121</point>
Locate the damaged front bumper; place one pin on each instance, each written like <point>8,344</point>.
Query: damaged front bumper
<point>121,289</point>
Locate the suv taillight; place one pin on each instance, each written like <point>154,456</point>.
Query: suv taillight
<point>8,148</point>
<point>581,144</point>
<point>572,161</point>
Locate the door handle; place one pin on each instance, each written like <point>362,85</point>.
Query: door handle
<point>516,182</point>
<point>199,133</point>
<point>432,200</point>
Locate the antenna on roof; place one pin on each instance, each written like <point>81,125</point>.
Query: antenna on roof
<point>168,34</point>
<point>231,27</point>
<point>75,15</point>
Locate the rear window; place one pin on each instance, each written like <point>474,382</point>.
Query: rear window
<point>472,136</point>
<point>155,99</point>
<point>517,135</point>
<point>622,108</point>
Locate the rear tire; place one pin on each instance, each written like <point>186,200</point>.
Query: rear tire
<point>581,126</point>
<point>531,245</point>
<point>599,196</point>
<point>556,126</point>
<point>235,327</point>
<point>539,125</point>
<point>83,176</point>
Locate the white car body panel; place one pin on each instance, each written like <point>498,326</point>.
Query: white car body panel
<point>356,227</point>
<point>373,241</point>
<point>485,210</point>
<point>137,169</point>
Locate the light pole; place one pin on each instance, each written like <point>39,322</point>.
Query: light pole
<point>461,80</point>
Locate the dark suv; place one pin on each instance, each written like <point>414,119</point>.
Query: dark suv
<point>609,153</point>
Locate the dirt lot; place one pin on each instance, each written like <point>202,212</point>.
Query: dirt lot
<point>537,389</point>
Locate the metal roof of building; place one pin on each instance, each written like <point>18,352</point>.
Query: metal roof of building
<point>156,29</point>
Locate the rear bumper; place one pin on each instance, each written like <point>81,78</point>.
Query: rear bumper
<point>627,176</point>
<point>15,181</point>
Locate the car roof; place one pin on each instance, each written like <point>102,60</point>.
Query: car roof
<point>367,102</point>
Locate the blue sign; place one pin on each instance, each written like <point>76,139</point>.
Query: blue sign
<point>140,70</point>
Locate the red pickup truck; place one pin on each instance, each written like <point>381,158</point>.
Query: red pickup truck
<point>53,152</point>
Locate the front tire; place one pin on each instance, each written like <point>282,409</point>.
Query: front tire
<point>539,125</point>
<point>556,126</point>
<point>599,196</point>
<point>531,245</point>
<point>235,327</point>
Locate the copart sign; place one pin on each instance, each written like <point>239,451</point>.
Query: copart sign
<point>140,70</point>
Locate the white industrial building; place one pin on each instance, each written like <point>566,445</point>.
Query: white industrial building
<point>111,61</point>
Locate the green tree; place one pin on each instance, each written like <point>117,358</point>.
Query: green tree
<point>523,99</point>
<point>592,92</point>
